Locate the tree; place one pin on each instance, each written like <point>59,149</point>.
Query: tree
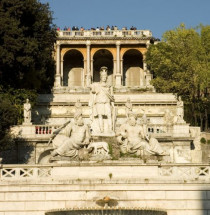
<point>180,63</point>
<point>11,111</point>
<point>27,39</point>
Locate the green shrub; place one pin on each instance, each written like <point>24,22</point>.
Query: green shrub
<point>203,140</point>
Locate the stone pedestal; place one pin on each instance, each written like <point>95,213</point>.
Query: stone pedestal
<point>88,80</point>
<point>57,82</point>
<point>196,156</point>
<point>148,78</point>
<point>118,80</point>
<point>27,123</point>
<point>181,130</point>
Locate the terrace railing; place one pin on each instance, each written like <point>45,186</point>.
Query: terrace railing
<point>198,172</point>
<point>106,33</point>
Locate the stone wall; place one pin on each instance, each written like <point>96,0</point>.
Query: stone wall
<point>33,191</point>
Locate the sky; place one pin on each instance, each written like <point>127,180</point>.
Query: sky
<point>155,15</point>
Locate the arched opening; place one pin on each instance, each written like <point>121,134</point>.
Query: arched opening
<point>133,74</point>
<point>73,67</point>
<point>101,58</point>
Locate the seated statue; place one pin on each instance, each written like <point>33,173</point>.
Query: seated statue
<point>133,139</point>
<point>71,138</point>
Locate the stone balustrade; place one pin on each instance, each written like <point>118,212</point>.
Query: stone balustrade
<point>106,33</point>
<point>24,171</point>
<point>33,131</point>
<point>159,129</point>
<point>198,172</point>
<point>44,129</point>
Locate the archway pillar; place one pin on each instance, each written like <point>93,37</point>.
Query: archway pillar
<point>118,74</point>
<point>62,72</point>
<point>144,63</point>
<point>91,67</point>
<point>121,70</point>
<point>88,65</point>
<point>57,82</point>
<point>147,74</point>
<point>84,72</point>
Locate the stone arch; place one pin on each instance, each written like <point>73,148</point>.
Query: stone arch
<point>133,74</point>
<point>73,68</point>
<point>102,57</point>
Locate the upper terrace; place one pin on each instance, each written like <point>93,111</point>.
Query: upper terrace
<point>144,34</point>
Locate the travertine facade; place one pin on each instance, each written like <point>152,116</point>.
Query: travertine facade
<point>164,173</point>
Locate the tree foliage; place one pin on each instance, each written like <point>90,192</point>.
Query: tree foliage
<point>11,111</point>
<point>181,64</point>
<point>27,37</point>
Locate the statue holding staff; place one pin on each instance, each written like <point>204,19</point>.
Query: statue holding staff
<point>102,103</point>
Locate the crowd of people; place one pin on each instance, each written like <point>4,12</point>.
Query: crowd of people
<point>108,28</point>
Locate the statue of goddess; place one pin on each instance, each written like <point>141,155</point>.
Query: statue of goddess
<point>102,103</point>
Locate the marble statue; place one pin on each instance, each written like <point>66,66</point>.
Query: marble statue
<point>70,139</point>
<point>27,112</point>
<point>180,110</point>
<point>102,105</point>
<point>128,107</point>
<point>99,148</point>
<point>195,134</point>
<point>78,106</point>
<point>134,140</point>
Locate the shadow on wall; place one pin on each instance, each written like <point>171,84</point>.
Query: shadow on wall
<point>21,152</point>
<point>41,111</point>
<point>205,201</point>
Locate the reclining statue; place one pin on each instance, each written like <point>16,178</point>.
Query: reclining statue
<point>133,139</point>
<point>71,138</point>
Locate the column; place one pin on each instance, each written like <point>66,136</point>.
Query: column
<point>91,67</point>
<point>62,72</point>
<point>144,63</point>
<point>121,70</point>
<point>118,56</point>
<point>88,70</point>
<point>58,66</point>
<point>118,75</point>
<point>88,57</point>
<point>114,70</point>
<point>58,51</point>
